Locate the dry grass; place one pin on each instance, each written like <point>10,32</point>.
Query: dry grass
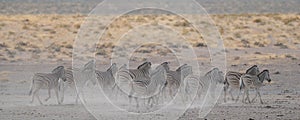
<point>40,34</point>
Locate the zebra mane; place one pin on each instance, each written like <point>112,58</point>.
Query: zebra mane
<point>253,70</point>
<point>181,67</point>
<point>143,65</point>
<point>216,75</point>
<point>209,72</point>
<point>58,69</point>
<point>124,66</point>
<point>89,64</point>
<point>165,65</point>
<point>159,68</point>
<point>184,70</point>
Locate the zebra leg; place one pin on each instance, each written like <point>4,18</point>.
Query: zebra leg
<point>230,92</point>
<point>165,92</point>
<point>254,96</point>
<point>77,96</point>
<point>57,96</point>
<point>170,92</point>
<point>243,99</point>
<point>129,97</point>
<point>36,93</point>
<point>63,93</point>
<point>33,95</point>
<point>225,90</point>
<point>237,98</point>
<point>148,103</point>
<point>137,102</point>
<point>38,97</point>
<point>260,97</point>
<point>248,96</point>
<point>32,98</point>
<point>49,94</point>
<point>155,99</point>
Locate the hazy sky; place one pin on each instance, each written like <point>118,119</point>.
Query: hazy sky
<point>212,6</point>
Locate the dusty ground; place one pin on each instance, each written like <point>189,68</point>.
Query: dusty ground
<point>281,97</point>
<point>38,43</point>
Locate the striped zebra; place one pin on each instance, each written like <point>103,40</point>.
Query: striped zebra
<point>69,82</point>
<point>107,78</point>
<point>139,74</point>
<point>157,83</point>
<point>232,80</point>
<point>175,78</point>
<point>254,82</point>
<point>88,72</point>
<point>209,82</point>
<point>47,81</point>
<point>166,67</point>
<point>127,79</point>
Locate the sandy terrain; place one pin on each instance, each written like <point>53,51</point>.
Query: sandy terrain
<point>38,43</point>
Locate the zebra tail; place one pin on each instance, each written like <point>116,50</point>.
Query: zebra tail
<point>31,88</point>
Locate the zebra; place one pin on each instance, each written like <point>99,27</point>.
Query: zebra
<point>69,82</point>
<point>158,82</point>
<point>141,73</point>
<point>254,82</point>
<point>174,78</point>
<point>209,82</point>
<point>47,81</point>
<point>107,78</point>
<point>166,67</point>
<point>232,80</point>
<point>126,78</point>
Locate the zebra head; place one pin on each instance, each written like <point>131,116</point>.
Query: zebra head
<point>60,71</point>
<point>253,70</point>
<point>264,75</point>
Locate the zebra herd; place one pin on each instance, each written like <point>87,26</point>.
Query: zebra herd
<point>149,82</point>
<point>252,79</point>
